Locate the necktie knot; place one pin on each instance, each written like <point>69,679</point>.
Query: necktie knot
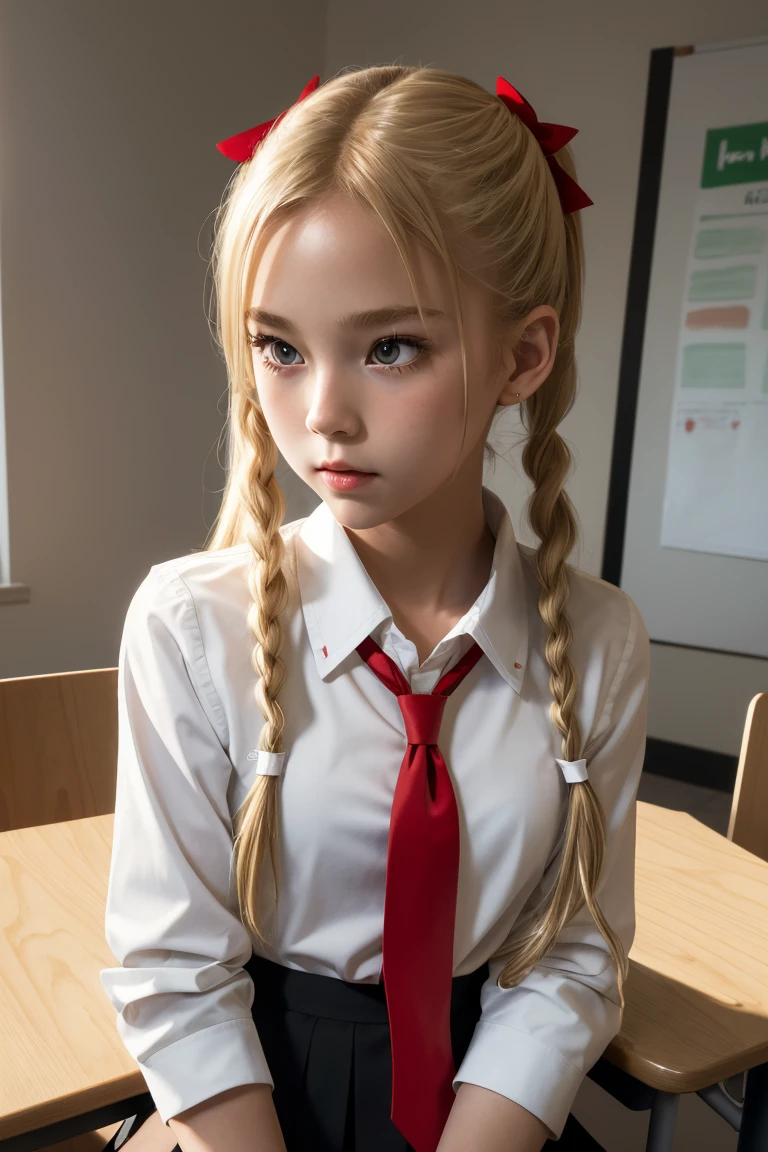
<point>423,715</point>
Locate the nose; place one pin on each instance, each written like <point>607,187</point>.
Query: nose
<point>332,409</point>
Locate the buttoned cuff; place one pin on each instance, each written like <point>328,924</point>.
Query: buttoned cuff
<point>522,1068</point>
<point>207,1062</point>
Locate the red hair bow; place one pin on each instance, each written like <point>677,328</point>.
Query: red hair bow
<point>551,138</point>
<point>243,145</point>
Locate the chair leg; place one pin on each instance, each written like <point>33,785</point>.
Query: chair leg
<point>661,1130</point>
<point>753,1134</point>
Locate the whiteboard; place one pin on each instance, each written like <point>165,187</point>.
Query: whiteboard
<point>688,530</point>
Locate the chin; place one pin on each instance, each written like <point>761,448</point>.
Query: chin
<point>353,515</point>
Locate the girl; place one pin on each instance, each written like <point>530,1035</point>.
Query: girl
<point>372,882</point>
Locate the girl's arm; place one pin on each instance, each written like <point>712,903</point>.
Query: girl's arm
<point>180,988</point>
<point>238,1120</point>
<point>488,1122</point>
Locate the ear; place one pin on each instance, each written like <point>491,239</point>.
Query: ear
<point>528,354</point>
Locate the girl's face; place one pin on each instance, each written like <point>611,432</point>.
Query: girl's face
<point>345,369</point>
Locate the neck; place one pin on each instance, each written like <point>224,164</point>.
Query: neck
<point>436,558</point>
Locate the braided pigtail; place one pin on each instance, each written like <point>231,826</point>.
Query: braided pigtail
<point>546,459</point>
<point>253,490</point>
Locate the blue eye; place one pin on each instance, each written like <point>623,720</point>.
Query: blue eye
<point>394,345</point>
<point>280,348</point>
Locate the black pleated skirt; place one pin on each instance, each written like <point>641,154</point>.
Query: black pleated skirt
<point>328,1048</point>
<point>327,1044</point>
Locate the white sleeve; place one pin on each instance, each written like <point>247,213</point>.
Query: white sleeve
<point>534,1043</point>
<point>182,996</point>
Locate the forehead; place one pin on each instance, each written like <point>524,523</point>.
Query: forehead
<point>335,256</point>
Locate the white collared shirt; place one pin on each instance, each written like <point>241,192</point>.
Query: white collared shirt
<point>188,719</point>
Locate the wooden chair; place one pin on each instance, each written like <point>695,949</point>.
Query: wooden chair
<point>58,761</point>
<point>58,747</point>
<point>747,826</point>
<point>633,1068</point>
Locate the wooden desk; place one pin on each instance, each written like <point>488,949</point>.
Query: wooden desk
<point>60,1054</point>
<point>699,978</point>
<point>698,984</point>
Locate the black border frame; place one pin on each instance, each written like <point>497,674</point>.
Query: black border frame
<point>646,210</point>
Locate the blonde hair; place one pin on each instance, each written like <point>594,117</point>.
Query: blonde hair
<point>443,162</point>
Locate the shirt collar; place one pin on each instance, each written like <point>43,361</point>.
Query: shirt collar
<point>342,605</point>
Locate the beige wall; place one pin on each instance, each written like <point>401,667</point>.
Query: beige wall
<point>114,389</point>
<point>108,174</point>
<point>584,64</point>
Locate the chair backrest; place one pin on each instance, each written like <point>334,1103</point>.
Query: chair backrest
<point>58,747</point>
<point>748,826</point>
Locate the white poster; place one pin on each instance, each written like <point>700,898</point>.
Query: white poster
<point>716,488</point>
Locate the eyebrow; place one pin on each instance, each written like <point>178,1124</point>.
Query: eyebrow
<point>374,317</point>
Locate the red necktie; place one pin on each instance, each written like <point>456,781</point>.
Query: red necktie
<point>420,907</point>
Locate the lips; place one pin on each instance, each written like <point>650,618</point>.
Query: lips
<point>345,481</point>
<point>342,468</point>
